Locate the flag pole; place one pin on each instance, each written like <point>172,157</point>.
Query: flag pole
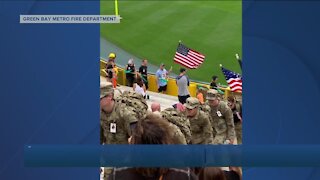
<point>239,60</point>
<point>237,56</point>
<point>116,7</point>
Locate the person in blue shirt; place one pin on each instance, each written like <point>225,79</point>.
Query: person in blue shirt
<point>162,81</point>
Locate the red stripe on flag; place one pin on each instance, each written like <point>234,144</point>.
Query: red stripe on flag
<point>235,84</point>
<point>185,59</point>
<point>237,90</point>
<point>183,64</point>
<point>198,54</point>
<point>195,59</point>
<point>234,80</point>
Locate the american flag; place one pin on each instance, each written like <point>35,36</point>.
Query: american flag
<point>234,80</point>
<point>188,57</point>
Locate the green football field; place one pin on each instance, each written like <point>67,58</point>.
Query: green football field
<point>152,30</point>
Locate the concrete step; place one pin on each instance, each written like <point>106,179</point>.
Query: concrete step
<point>165,100</point>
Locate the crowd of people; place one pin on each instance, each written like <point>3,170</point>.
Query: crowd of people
<point>205,119</point>
<point>134,77</point>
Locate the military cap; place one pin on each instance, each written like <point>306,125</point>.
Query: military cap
<point>106,88</point>
<point>192,103</point>
<point>212,94</point>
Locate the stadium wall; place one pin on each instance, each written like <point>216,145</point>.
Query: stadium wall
<point>172,88</point>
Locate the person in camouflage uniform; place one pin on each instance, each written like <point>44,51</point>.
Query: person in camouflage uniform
<point>180,123</point>
<point>221,118</point>
<point>116,120</point>
<point>118,117</point>
<point>236,108</point>
<point>201,129</point>
<point>177,135</point>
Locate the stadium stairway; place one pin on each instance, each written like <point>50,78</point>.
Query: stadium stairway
<point>165,101</point>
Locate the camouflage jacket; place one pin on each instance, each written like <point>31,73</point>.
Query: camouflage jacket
<point>121,116</point>
<point>222,123</point>
<point>134,100</point>
<point>201,129</point>
<point>179,120</point>
<point>177,135</point>
<point>205,108</point>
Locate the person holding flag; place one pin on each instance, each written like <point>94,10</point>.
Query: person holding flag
<point>183,82</point>
<point>214,81</point>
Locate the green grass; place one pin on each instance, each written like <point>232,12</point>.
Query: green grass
<point>152,29</point>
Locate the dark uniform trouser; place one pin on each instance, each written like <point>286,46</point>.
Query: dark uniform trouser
<point>130,80</point>
<point>238,129</point>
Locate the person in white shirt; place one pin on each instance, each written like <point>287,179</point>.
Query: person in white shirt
<point>139,87</point>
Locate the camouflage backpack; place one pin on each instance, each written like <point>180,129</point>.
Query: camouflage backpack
<point>178,119</point>
<point>135,102</point>
<point>205,108</point>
